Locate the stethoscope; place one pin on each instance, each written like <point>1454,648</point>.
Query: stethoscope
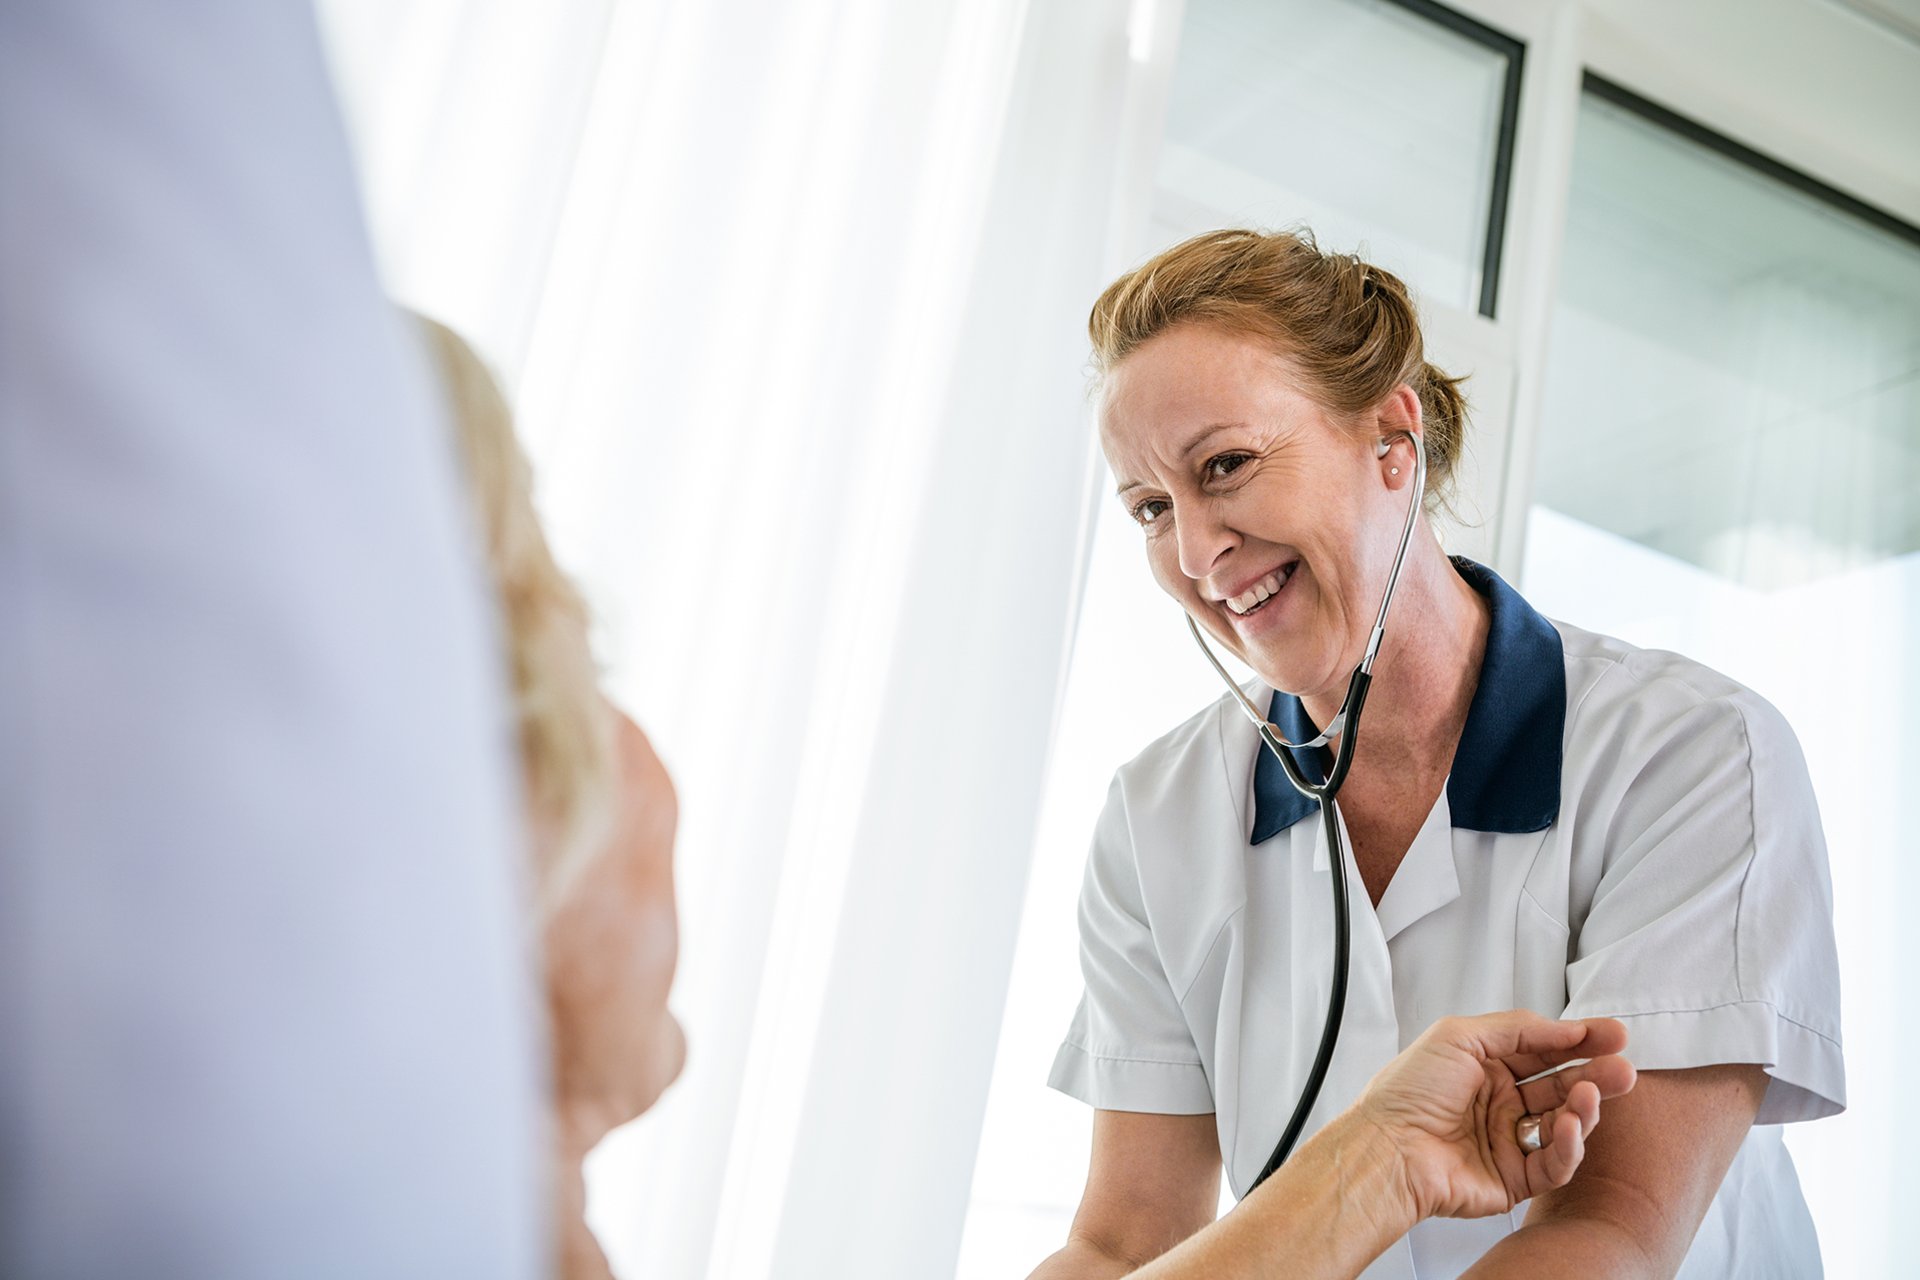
<point>1345,725</point>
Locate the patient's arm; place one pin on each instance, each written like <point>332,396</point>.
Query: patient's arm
<point>1434,1134</point>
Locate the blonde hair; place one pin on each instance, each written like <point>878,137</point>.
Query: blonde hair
<point>1348,327</point>
<point>566,728</point>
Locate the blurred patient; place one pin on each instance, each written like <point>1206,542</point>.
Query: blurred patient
<point>601,814</point>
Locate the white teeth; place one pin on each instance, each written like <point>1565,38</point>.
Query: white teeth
<point>1259,593</point>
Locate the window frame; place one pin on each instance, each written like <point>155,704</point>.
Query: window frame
<point>1617,94</point>
<point>1506,134</point>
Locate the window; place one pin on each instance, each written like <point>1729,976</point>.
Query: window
<point>1733,375</point>
<point>1728,467</point>
<point>1388,125</point>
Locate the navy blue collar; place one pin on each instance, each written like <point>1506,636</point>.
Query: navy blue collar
<point>1506,770</point>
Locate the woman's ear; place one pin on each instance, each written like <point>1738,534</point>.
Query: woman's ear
<point>1396,417</point>
<point>1398,410</point>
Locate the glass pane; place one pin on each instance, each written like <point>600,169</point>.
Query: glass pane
<point>1733,376</point>
<point>1730,467</point>
<point>1372,125</point>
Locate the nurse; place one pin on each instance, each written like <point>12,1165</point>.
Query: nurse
<point>1537,816</point>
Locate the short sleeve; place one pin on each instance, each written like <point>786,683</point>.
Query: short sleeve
<point>1710,930</point>
<point>1129,1047</point>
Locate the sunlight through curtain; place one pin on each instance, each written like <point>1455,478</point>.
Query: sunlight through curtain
<point>791,298</point>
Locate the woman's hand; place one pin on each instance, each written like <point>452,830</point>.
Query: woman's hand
<point>1448,1107</point>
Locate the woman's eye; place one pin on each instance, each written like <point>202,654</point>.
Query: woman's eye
<point>1226,464</point>
<point>1151,510</point>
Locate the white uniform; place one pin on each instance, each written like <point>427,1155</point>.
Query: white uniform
<point>1625,833</point>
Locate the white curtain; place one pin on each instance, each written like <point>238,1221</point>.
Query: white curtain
<point>790,297</point>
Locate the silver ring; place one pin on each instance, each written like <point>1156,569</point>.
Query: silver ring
<point>1527,1130</point>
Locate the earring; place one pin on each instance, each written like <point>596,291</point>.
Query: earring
<point>1393,471</point>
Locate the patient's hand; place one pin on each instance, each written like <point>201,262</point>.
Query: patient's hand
<point>611,945</point>
<point>1448,1106</point>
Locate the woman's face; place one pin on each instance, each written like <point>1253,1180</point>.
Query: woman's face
<point>1272,523</point>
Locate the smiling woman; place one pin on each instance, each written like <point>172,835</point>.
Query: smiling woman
<point>1541,817</point>
<point>1310,342</point>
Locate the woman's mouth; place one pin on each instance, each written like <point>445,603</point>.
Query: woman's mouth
<point>1255,597</point>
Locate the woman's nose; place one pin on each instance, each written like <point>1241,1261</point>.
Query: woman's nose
<point>1203,540</point>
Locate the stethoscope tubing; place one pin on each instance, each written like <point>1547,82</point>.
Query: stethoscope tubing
<point>1336,1001</point>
